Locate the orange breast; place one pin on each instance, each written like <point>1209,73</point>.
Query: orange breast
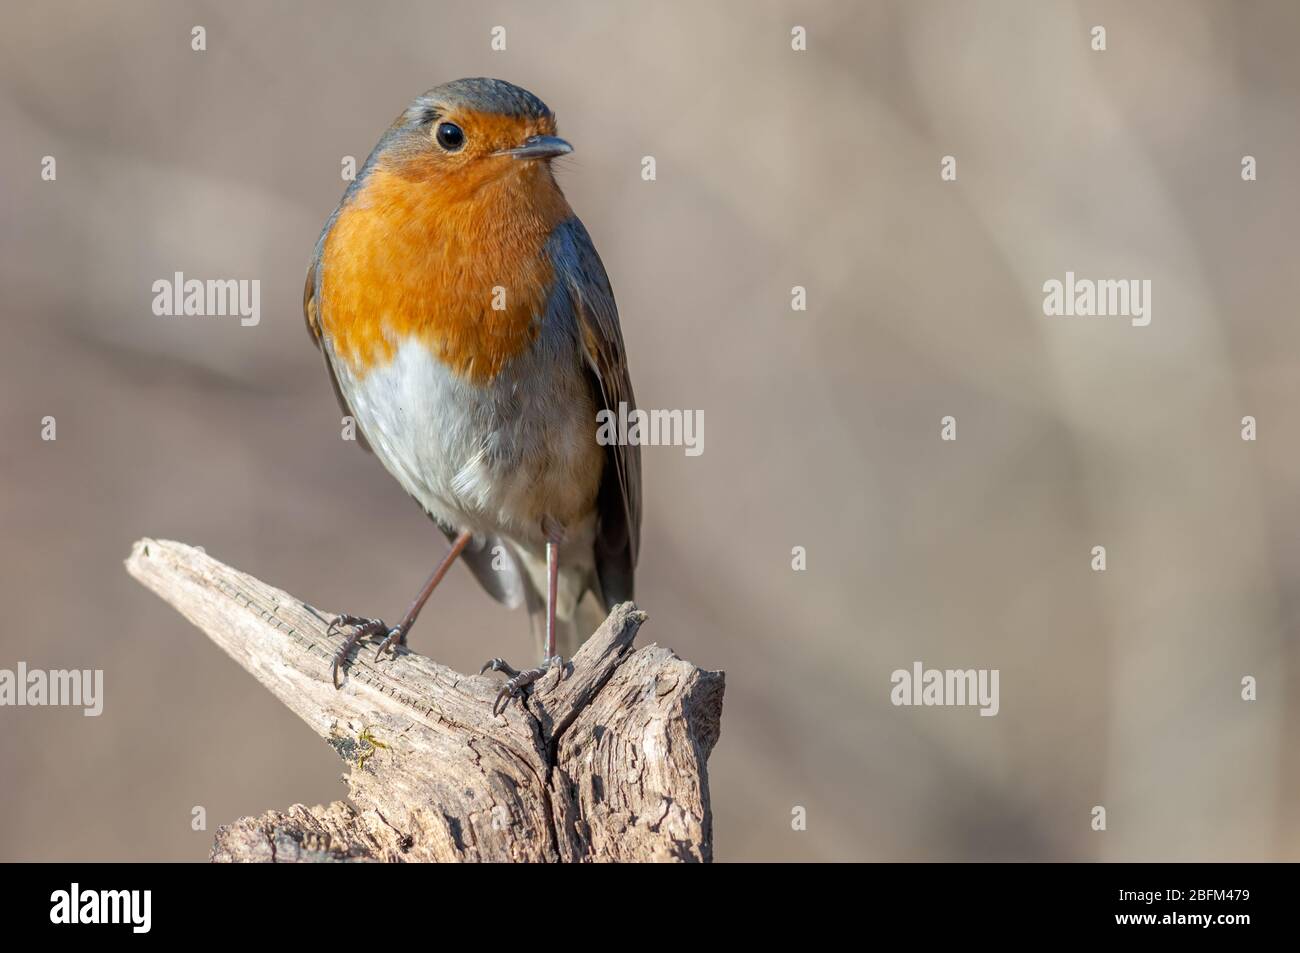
<point>462,273</point>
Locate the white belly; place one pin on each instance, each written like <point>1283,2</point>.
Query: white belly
<point>493,459</point>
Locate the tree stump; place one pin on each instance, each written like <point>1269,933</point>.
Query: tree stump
<point>603,762</point>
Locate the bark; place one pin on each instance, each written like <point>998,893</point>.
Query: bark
<point>607,763</point>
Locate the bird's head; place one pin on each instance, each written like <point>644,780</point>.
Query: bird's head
<point>463,135</point>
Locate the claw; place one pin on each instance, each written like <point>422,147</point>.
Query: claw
<point>361,627</point>
<point>499,665</point>
<point>394,638</point>
<point>518,681</point>
<point>344,619</point>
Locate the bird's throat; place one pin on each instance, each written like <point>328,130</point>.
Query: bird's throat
<point>460,269</point>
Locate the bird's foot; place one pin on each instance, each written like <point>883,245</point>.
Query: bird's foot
<point>361,627</point>
<point>517,681</point>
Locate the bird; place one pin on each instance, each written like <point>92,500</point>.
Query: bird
<point>470,331</point>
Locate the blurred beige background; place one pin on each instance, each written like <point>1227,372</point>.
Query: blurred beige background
<point>775,169</point>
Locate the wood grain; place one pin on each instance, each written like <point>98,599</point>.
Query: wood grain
<point>606,763</point>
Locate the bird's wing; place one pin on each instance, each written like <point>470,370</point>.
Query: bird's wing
<point>504,581</point>
<point>618,534</point>
<point>311,312</point>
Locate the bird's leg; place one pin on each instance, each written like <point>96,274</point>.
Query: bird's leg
<point>396,635</point>
<point>552,586</point>
<point>518,681</point>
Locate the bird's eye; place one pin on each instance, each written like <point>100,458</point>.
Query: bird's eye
<point>450,136</point>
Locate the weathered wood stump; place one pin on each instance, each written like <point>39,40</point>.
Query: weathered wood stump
<point>607,763</point>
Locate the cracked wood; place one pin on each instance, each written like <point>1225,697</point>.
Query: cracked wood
<point>607,763</point>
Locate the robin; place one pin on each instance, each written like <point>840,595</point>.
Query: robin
<point>469,329</point>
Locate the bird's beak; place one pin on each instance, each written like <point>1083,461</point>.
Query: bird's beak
<point>538,147</point>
